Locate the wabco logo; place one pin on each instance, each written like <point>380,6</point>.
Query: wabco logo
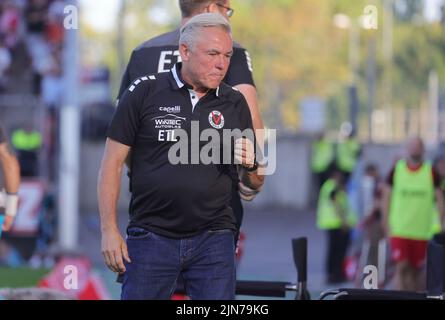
<point>175,109</point>
<point>169,121</point>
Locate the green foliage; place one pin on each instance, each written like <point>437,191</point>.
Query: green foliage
<point>408,10</point>
<point>297,51</point>
<point>21,277</point>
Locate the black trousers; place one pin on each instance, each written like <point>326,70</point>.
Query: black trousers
<point>338,242</point>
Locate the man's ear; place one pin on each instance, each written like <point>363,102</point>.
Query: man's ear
<point>212,8</point>
<point>184,51</point>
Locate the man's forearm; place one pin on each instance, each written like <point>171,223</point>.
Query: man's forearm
<point>11,170</point>
<point>108,194</point>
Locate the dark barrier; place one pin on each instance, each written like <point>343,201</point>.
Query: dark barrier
<point>435,266</point>
<point>435,281</point>
<point>364,294</point>
<point>263,288</point>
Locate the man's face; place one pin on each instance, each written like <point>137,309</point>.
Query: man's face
<point>206,63</point>
<point>415,149</point>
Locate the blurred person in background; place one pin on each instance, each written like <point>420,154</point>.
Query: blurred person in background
<point>10,23</point>
<point>348,151</point>
<point>335,216</point>
<point>408,213</point>
<point>322,160</point>
<point>11,177</point>
<point>5,63</point>
<point>27,142</point>
<point>54,29</point>
<point>371,225</point>
<point>36,16</point>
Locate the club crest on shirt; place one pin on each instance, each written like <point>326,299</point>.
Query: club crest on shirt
<point>216,119</point>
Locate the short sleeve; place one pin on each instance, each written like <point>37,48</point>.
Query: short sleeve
<point>124,125</point>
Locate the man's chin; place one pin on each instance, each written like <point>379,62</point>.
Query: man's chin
<point>213,84</point>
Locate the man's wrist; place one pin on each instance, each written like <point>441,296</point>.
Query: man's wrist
<point>109,228</point>
<point>11,204</point>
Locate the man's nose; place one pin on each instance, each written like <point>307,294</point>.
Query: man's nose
<point>220,62</point>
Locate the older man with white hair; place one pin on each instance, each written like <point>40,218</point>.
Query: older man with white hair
<point>181,221</point>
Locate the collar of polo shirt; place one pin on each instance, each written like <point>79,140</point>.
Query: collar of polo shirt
<point>181,83</point>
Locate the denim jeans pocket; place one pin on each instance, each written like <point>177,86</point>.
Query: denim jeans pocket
<point>137,233</point>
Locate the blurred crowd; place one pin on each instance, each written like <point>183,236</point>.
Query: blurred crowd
<point>31,43</point>
<point>35,27</point>
<point>31,46</point>
<point>372,217</point>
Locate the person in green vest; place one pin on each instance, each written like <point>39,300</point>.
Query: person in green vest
<point>348,151</point>
<point>322,159</point>
<point>410,190</point>
<point>336,218</point>
<point>27,143</point>
<point>11,174</point>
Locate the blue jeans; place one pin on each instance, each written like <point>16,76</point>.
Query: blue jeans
<point>206,262</point>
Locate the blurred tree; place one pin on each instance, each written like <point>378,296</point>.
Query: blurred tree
<point>297,51</point>
<point>141,21</point>
<point>418,50</point>
<point>408,10</point>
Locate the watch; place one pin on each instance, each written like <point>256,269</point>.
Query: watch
<point>254,168</point>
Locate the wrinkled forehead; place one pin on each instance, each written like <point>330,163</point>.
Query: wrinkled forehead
<point>207,35</point>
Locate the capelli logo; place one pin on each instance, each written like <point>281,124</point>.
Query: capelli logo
<point>175,109</point>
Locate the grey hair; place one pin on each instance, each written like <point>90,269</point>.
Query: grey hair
<point>190,31</point>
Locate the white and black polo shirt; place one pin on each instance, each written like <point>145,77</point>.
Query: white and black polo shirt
<point>159,55</point>
<point>184,199</point>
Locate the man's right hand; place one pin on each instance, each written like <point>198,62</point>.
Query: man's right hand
<point>114,250</point>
